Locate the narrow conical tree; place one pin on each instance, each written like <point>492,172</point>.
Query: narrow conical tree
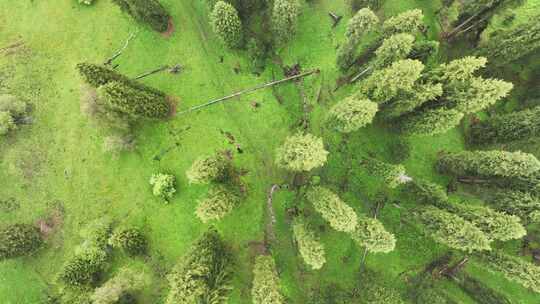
<point>266,285</point>
<point>522,204</point>
<point>514,269</point>
<point>391,175</point>
<point>363,22</point>
<point>478,94</point>
<point>385,84</point>
<point>226,24</point>
<point>453,231</point>
<point>284,20</point>
<point>407,22</point>
<point>150,12</point>
<point>311,249</point>
<point>392,49</point>
<point>488,164</point>
<point>426,193</point>
<point>301,153</point>
<point>335,211</point>
<point>97,75</point>
<point>371,234</point>
<point>430,122</point>
<point>408,102</point>
<point>505,128</point>
<point>133,101</point>
<point>351,114</point>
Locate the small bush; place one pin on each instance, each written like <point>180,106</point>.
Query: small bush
<point>84,268</point>
<point>206,169</point>
<point>19,240</point>
<point>131,240</point>
<point>163,185</point>
<point>217,205</point>
<point>7,123</point>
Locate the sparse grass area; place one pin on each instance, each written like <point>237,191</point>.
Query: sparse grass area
<point>58,163</point>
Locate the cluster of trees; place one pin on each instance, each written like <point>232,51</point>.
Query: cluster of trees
<point>12,113</point>
<point>224,193</point>
<point>118,102</point>
<point>149,12</point>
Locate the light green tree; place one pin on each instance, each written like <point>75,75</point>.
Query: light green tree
<point>301,153</point>
<point>514,269</point>
<point>519,203</point>
<point>217,205</point>
<point>336,212</point>
<point>351,114</point>
<point>430,122</point>
<point>407,22</point>
<point>266,285</point>
<point>226,24</point>
<point>206,169</point>
<point>394,48</point>
<point>311,249</point>
<point>163,185</point>
<point>363,22</point>
<point>371,234</point>
<point>284,19</point>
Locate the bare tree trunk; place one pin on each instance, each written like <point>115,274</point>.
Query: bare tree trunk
<point>163,68</point>
<point>119,52</point>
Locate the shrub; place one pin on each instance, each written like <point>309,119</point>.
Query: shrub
<point>84,267</point>
<point>123,283</point>
<point>97,233</point>
<point>118,143</point>
<point>301,153</point>
<point>226,24</point>
<point>351,114</point>
<point>163,185</point>
<point>7,123</point>
<point>13,105</point>
<point>203,274</point>
<point>150,12</point>
<point>18,240</point>
<point>266,286</point>
<point>206,169</point>
<point>335,211</point>
<point>217,205</point>
<point>133,101</point>
<point>284,19</point>
<point>311,250</point>
<point>131,240</point>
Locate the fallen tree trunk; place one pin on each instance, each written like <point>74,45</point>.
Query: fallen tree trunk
<point>163,68</point>
<point>262,86</point>
<point>119,52</point>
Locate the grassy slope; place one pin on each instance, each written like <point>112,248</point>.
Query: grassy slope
<point>62,150</point>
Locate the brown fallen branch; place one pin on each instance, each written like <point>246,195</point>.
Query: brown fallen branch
<point>163,68</point>
<point>335,18</point>
<point>355,78</point>
<point>270,235</point>
<point>119,52</point>
<point>262,86</point>
<point>12,46</point>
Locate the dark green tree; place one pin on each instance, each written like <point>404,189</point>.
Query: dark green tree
<point>19,240</point>
<point>522,204</point>
<point>392,175</point>
<point>131,240</point>
<point>513,268</point>
<point>149,12</point>
<point>505,128</point>
<point>426,193</point>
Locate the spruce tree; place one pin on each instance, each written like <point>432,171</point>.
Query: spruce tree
<point>430,122</point>
<point>385,84</point>
<point>452,230</point>
<point>514,269</point>
<point>504,128</point>
<point>218,204</point>
<point>310,248</point>
<point>426,193</point>
<point>150,12</point>
<point>478,94</point>
<point>371,234</point>
<point>19,240</point>
<point>336,212</point>
<point>407,102</point>
<point>97,75</point>
<point>207,169</point>
<point>522,204</point>
<point>407,22</point>
<point>363,22</point>
<point>301,153</point>
<point>226,24</point>
<point>392,49</point>
<point>284,19</point>
<point>391,175</point>
<point>488,164</point>
<point>351,114</point>
<point>266,285</point>
<point>134,102</point>
<point>203,275</point>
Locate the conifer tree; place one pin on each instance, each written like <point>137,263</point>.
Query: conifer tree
<point>453,231</point>
<point>336,212</point>
<point>226,24</point>
<point>134,102</point>
<point>284,19</point>
<point>206,169</point>
<point>426,193</point>
<point>310,248</point>
<point>266,285</point>
<point>408,101</point>
<point>514,269</point>
<point>392,49</point>
<point>478,94</point>
<point>150,12</point>
<point>407,22</point>
<point>97,75</point>
<point>430,122</point>
<point>385,84</point>
<point>351,114</point>
<point>495,225</point>
<point>371,234</point>
<point>504,128</point>
<point>18,240</point>
<point>363,22</point>
<point>488,164</point>
<point>522,204</point>
<point>391,175</point>
<point>203,275</point>
<point>217,205</point>
<point>301,153</point>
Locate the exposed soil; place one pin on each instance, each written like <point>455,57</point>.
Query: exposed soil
<point>173,101</point>
<point>170,29</point>
<point>52,223</point>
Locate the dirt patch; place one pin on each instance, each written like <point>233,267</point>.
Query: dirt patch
<point>51,223</point>
<point>173,101</point>
<point>257,248</point>
<point>170,29</point>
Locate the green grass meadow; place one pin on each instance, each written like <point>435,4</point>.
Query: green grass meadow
<point>58,163</point>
